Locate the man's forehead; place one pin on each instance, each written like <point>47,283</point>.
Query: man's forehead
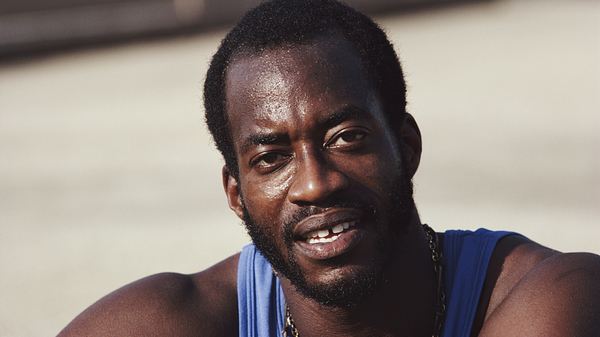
<point>327,66</point>
<point>320,58</point>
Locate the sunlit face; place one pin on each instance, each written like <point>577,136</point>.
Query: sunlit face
<point>320,181</point>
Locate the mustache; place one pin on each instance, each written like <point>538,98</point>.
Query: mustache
<point>291,220</point>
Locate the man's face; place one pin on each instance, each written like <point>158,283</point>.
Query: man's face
<point>321,186</point>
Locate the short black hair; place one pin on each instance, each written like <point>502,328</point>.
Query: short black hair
<point>284,22</point>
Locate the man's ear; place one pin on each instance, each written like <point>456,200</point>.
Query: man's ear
<point>232,191</point>
<point>410,141</point>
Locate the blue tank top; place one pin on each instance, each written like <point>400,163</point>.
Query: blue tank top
<point>466,256</point>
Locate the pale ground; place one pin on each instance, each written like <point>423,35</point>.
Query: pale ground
<point>107,173</point>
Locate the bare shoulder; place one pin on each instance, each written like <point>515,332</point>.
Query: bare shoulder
<point>167,304</point>
<point>542,292</point>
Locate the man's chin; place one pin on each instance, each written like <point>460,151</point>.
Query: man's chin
<point>345,286</point>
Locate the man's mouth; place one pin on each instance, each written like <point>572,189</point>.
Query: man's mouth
<point>329,234</point>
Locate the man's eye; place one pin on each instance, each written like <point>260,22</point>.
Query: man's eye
<point>348,137</point>
<point>269,160</point>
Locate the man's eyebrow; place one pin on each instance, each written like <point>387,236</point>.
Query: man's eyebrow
<point>345,113</point>
<point>263,139</point>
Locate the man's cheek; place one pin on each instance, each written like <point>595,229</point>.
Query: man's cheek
<point>271,188</point>
<point>278,185</point>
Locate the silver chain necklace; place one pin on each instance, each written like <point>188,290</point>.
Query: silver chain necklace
<point>290,330</point>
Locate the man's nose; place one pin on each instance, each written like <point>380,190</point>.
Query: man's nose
<point>315,180</point>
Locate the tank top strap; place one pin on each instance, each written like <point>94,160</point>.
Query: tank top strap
<point>466,256</point>
<point>260,298</point>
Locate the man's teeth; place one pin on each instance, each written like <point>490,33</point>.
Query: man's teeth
<point>323,233</point>
<point>322,240</point>
<point>328,235</point>
<point>338,228</point>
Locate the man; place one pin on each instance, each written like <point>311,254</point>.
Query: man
<point>306,102</point>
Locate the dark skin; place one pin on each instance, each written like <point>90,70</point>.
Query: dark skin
<point>291,92</point>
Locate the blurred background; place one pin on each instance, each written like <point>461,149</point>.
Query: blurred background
<point>108,174</point>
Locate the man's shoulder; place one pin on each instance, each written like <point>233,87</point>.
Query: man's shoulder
<point>166,304</point>
<point>537,291</point>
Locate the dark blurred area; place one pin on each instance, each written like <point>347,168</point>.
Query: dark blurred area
<point>31,26</point>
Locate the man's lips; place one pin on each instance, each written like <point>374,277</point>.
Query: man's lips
<point>325,220</point>
<point>329,234</point>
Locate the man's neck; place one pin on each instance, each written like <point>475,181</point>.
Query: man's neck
<point>403,305</point>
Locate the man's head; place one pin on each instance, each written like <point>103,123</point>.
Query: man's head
<point>320,160</point>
